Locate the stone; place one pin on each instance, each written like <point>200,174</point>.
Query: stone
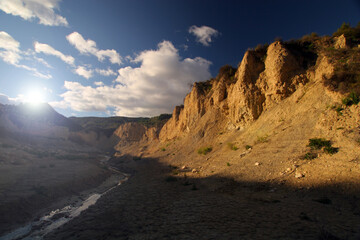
<point>183,167</point>
<point>299,175</point>
<point>341,42</point>
<point>257,164</point>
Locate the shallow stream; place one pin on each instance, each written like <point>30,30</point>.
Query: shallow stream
<point>58,217</point>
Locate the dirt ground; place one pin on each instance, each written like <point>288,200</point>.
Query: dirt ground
<point>157,204</point>
<point>37,174</point>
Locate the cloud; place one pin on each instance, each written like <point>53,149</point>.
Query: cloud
<point>106,72</point>
<point>84,72</point>
<point>4,99</point>
<point>156,86</point>
<point>35,9</point>
<point>89,47</point>
<point>203,34</point>
<point>10,53</point>
<point>9,48</point>
<point>99,83</point>
<point>35,72</point>
<point>47,49</point>
<point>42,61</point>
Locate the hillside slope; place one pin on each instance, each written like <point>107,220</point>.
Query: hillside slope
<point>256,121</point>
<point>269,150</point>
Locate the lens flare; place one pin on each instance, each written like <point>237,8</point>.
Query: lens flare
<point>35,97</point>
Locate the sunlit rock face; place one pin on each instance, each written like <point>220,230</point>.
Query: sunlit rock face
<point>263,79</point>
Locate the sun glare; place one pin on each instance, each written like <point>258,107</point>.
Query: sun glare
<point>34,97</point>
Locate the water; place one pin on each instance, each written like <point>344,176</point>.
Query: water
<point>58,217</point>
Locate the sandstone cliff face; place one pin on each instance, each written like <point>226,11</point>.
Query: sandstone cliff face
<point>257,85</point>
<point>131,132</point>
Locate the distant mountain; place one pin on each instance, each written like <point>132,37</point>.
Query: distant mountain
<point>27,116</point>
<point>108,125</point>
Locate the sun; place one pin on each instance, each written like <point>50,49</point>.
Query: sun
<point>34,97</point>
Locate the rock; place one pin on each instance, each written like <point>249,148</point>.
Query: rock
<point>341,42</point>
<point>257,164</point>
<point>183,167</point>
<point>194,170</point>
<point>288,169</point>
<point>299,175</point>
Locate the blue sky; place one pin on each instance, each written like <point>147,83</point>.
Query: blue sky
<point>139,58</point>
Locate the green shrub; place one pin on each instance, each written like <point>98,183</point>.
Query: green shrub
<point>331,150</point>
<point>247,147</point>
<point>262,139</point>
<point>228,164</point>
<point>205,87</point>
<point>204,150</point>
<point>338,110</point>
<point>348,31</point>
<point>318,143</point>
<point>163,149</point>
<point>351,99</point>
<point>232,146</point>
<point>227,71</point>
<point>309,156</point>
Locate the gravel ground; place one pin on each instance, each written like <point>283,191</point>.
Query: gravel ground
<point>153,206</point>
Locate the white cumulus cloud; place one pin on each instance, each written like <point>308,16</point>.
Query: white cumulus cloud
<point>106,72</point>
<point>4,99</point>
<point>35,9</point>
<point>47,49</point>
<point>99,83</point>
<point>9,48</point>
<point>84,72</point>
<point>89,47</point>
<point>10,53</point>
<point>203,34</point>
<point>156,86</point>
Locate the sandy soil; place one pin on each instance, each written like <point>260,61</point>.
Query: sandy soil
<point>41,174</point>
<point>157,203</point>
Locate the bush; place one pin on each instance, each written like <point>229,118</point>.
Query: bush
<point>351,99</point>
<point>247,147</point>
<point>318,143</point>
<point>262,139</point>
<point>338,110</point>
<point>309,156</point>
<point>348,31</point>
<point>331,150</point>
<point>204,150</point>
<point>232,146</point>
<point>205,87</point>
<point>227,71</point>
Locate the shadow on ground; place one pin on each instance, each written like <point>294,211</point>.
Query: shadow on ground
<point>158,204</point>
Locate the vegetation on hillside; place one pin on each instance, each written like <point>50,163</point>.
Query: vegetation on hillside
<point>109,124</point>
<point>352,33</point>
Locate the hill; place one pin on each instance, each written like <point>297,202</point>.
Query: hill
<point>267,150</point>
